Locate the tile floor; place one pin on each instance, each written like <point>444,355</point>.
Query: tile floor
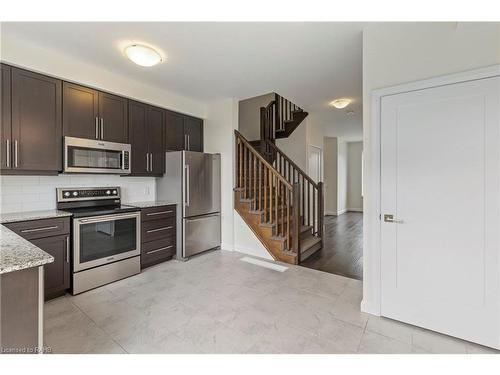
<point>216,303</point>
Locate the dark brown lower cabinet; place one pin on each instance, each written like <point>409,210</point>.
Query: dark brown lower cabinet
<point>57,273</point>
<point>53,237</point>
<point>158,235</point>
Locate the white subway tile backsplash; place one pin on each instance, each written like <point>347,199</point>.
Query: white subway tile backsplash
<point>28,193</point>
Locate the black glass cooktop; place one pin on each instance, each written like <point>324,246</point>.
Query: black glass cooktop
<point>102,210</point>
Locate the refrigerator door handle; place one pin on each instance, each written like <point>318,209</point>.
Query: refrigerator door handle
<point>187,185</point>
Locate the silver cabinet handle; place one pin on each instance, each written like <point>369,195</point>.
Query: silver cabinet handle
<point>187,185</point>
<point>67,249</point>
<point>160,249</point>
<point>102,128</point>
<point>147,161</point>
<point>151,161</point>
<point>97,127</point>
<point>159,213</point>
<point>16,154</point>
<point>189,143</point>
<point>391,219</point>
<point>38,229</point>
<point>185,142</point>
<point>159,229</point>
<point>8,153</point>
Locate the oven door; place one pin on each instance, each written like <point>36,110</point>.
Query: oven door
<point>92,156</point>
<point>104,239</point>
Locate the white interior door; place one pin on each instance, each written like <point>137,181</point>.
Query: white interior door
<point>440,177</point>
<point>314,163</point>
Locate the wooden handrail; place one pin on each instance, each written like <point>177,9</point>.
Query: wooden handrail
<point>306,176</point>
<point>261,158</point>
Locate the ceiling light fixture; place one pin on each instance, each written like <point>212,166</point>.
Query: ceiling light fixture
<point>341,103</point>
<point>142,55</point>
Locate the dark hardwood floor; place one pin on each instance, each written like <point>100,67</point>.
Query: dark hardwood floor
<point>342,251</point>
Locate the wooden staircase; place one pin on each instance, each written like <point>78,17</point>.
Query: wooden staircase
<point>280,203</point>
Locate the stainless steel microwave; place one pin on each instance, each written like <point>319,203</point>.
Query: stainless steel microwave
<point>94,156</point>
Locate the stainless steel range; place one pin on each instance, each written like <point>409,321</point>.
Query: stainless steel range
<point>106,236</point>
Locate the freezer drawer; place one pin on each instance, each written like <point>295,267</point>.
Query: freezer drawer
<point>201,233</point>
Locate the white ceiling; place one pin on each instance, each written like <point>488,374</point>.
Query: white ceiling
<point>309,63</point>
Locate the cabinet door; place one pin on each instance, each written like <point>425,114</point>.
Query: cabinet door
<point>5,127</point>
<point>80,111</point>
<point>137,136</point>
<point>193,128</point>
<point>156,123</point>
<point>174,131</point>
<point>36,121</point>
<point>57,273</point>
<point>113,118</point>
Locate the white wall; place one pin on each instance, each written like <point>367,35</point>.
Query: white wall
<point>295,146</point>
<point>31,193</point>
<point>330,175</point>
<point>404,52</point>
<point>341,177</point>
<point>249,115</point>
<point>219,128</point>
<point>25,54</point>
<point>354,198</point>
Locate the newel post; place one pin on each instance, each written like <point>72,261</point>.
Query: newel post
<point>321,209</point>
<point>296,219</point>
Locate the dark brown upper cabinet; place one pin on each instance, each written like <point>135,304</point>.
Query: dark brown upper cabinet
<point>183,132</point>
<point>146,127</point>
<point>6,126</point>
<point>35,142</point>
<point>193,131</point>
<point>93,114</point>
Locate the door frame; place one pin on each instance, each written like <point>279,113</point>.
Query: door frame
<point>371,302</point>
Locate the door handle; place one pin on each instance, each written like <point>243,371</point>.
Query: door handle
<point>160,249</point>
<point>147,161</point>
<point>38,229</point>
<point>67,249</point>
<point>97,127</point>
<point>391,219</point>
<point>16,154</point>
<point>8,153</point>
<point>102,128</point>
<point>159,229</point>
<point>187,185</point>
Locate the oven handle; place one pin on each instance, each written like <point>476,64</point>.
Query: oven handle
<point>98,219</point>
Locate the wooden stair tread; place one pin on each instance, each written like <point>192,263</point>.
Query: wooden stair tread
<point>309,242</point>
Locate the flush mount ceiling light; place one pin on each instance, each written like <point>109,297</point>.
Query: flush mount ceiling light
<point>341,103</point>
<point>142,55</point>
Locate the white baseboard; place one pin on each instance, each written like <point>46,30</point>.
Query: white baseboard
<point>228,247</point>
<point>330,213</point>
<point>341,212</point>
<point>369,308</point>
<point>355,209</point>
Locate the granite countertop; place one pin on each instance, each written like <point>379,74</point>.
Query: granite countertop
<point>146,204</point>
<point>18,254</point>
<point>31,215</point>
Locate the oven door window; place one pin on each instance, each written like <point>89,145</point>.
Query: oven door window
<point>84,157</point>
<point>107,238</point>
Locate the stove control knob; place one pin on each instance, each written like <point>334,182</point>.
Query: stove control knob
<point>75,193</point>
<point>108,192</point>
<point>114,192</point>
<point>67,194</point>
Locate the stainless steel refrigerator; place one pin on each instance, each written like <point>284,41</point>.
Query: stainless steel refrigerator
<point>192,180</point>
